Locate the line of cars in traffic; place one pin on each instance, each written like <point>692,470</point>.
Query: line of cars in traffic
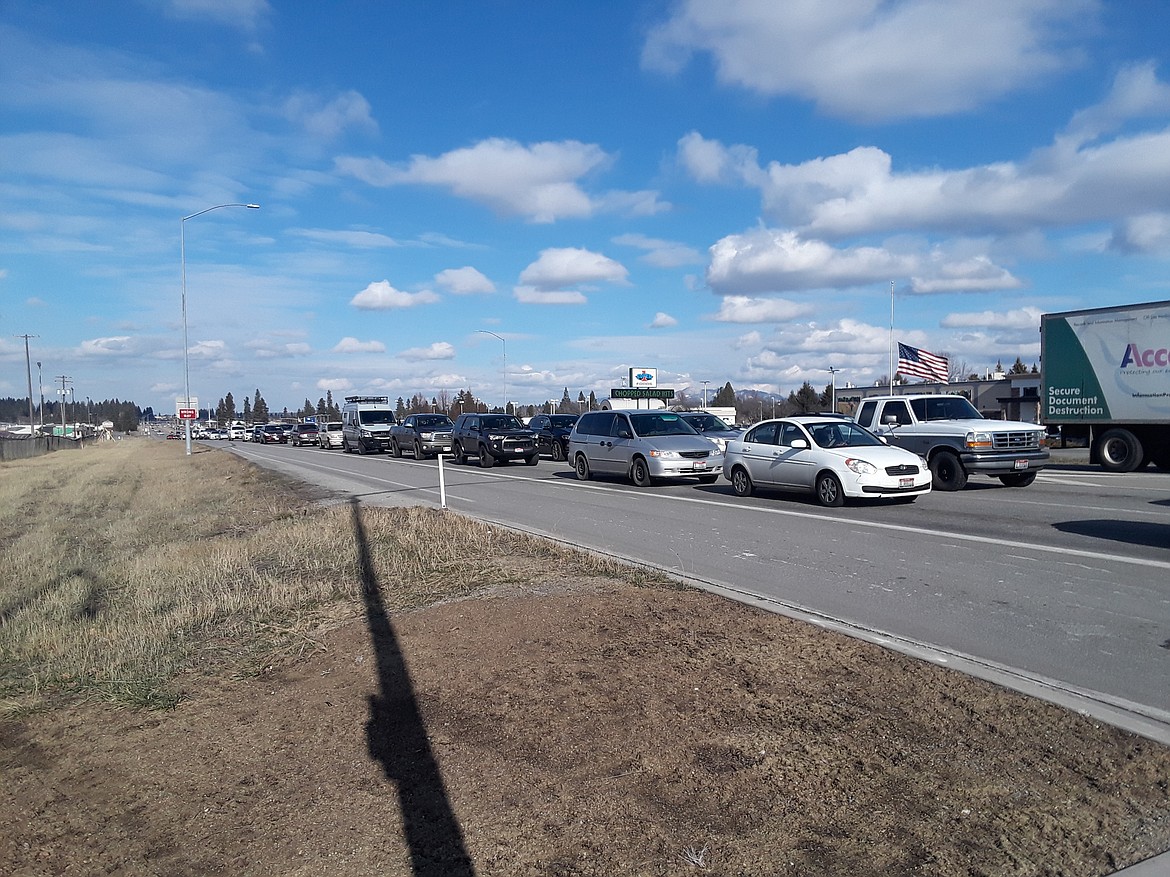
<point>827,456</point>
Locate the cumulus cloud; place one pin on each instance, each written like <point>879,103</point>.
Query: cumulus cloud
<point>874,59</point>
<point>438,350</point>
<point>335,385</point>
<point>775,260</point>
<point>540,181</point>
<point>663,321</point>
<point>464,281</point>
<point>381,296</point>
<point>569,266</point>
<point>353,345</point>
<point>1148,233</point>
<point>660,253</point>
<point>743,309</point>
<point>117,345</point>
<point>533,296</point>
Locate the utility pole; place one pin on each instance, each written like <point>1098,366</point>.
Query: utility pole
<point>64,379</point>
<point>28,368</point>
<point>41,388</point>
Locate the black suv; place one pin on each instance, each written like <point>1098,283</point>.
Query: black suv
<point>493,438</point>
<point>552,433</point>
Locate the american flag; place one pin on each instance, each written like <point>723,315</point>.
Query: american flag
<point>922,364</point>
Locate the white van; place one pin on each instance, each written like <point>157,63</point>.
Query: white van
<point>365,424</point>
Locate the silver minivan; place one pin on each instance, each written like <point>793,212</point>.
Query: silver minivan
<point>642,446</point>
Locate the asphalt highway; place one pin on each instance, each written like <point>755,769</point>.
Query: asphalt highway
<point>1060,589</point>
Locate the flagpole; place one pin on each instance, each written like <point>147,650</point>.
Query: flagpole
<point>892,369</point>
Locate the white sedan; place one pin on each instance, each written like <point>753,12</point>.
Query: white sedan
<point>830,457</point>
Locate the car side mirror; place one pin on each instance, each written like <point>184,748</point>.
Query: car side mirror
<point>624,433</point>
<point>799,444</point>
<point>890,420</point>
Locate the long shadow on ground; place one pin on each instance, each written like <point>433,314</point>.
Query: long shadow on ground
<point>397,737</point>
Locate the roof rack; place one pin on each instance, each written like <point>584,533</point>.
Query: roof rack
<point>368,400</point>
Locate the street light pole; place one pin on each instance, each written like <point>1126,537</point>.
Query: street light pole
<point>183,268</point>
<point>833,372</point>
<point>505,368</point>
<point>28,367</point>
<point>704,383</point>
<point>41,387</point>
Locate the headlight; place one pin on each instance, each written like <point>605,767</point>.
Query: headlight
<point>366,433</point>
<point>666,455</point>
<point>976,440</point>
<point>860,466</point>
<point>427,436</point>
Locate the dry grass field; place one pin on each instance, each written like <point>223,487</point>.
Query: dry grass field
<point>206,670</point>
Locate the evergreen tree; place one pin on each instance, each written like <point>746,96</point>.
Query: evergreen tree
<point>1018,367</point>
<point>260,408</point>
<point>725,398</point>
<point>247,418</point>
<point>593,406</point>
<point>229,407</point>
<point>322,411</point>
<point>566,406</point>
<point>400,408</point>
<point>308,410</point>
<point>806,400</point>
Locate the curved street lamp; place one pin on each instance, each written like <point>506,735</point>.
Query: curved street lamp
<point>505,368</point>
<point>183,265</point>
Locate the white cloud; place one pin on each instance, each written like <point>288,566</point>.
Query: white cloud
<point>774,260</point>
<point>117,345</point>
<point>531,295</point>
<point>438,350</point>
<point>875,59</point>
<point>660,253</point>
<point>539,181</point>
<point>328,120</point>
<point>366,240</point>
<point>381,296</point>
<point>663,321</point>
<point>1019,318</point>
<point>353,345</point>
<point>464,281</point>
<point>742,309</point>
<point>1148,233</point>
<point>335,385</point>
<point>569,266</point>
<point>245,15</point>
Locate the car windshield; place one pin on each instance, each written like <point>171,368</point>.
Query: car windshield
<point>376,416</point>
<point>660,423</point>
<point>707,423</point>
<point>501,421</point>
<point>841,434</point>
<point>274,429</point>
<point>944,408</point>
<point>432,421</point>
<point>562,421</point>
<point>333,427</point>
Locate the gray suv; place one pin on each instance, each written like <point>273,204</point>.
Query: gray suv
<point>493,438</point>
<point>642,446</point>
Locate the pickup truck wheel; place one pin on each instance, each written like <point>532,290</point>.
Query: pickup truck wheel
<point>418,451</point>
<point>948,473</point>
<point>486,460</point>
<point>640,473</point>
<point>828,490</point>
<point>581,467</point>
<point>558,450</point>
<point>395,451</point>
<point>1120,451</point>
<point>741,482</point>
<point>1018,479</point>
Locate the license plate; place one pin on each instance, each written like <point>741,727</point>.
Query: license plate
<point>905,482</point>
<point>1021,464</point>
<point>701,464</point>
<point>446,449</point>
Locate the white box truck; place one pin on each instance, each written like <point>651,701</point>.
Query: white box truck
<point>1105,379</point>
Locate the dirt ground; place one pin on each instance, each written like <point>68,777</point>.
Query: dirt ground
<point>588,729</point>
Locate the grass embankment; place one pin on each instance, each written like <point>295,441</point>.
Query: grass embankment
<point>128,563</point>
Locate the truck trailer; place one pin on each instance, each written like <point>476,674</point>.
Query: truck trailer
<point>1105,380</point>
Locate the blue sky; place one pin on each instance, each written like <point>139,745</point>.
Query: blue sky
<point>722,191</point>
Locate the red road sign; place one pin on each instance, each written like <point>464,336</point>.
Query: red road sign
<point>187,414</point>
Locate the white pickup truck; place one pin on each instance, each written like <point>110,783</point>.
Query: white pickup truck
<point>956,440</point>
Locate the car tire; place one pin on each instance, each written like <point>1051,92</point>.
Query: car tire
<point>418,451</point>
<point>581,467</point>
<point>395,450</point>
<point>1018,479</point>
<point>741,482</point>
<point>345,446</point>
<point>533,460</point>
<point>947,472</point>
<point>361,448</point>
<point>708,479</point>
<point>486,460</point>
<point>457,453</point>
<point>558,451</point>
<point>640,473</point>
<point>828,490</point>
